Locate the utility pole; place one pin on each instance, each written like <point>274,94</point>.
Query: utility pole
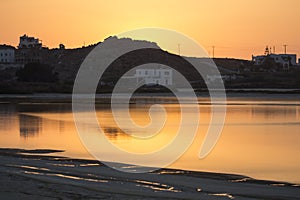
<point>213,51</point>
<point>285,48</point>
<point>179,49</point>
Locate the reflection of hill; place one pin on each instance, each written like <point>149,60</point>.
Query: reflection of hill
<point>29,125</point>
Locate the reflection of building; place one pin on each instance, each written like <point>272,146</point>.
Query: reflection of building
<point>7,54</point>
<point>154,76</point>
<point>8,117</point>
<point>29,50</point>
<point>29,125</point>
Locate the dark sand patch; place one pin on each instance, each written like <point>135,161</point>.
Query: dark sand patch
<point>33,176</point>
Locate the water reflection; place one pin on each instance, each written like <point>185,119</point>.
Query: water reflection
<point>113,132</point>
<point>268,112</point>
<point>30,126</point>
<point>8,116</point>
<point>258,140</point>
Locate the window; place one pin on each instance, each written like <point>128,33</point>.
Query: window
<point>167,73</point>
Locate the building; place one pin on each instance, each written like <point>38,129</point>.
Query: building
<point>29,50</point>
<point>154,76</point>
<point>285,60</point>
<point>7,54</point>
<point>29,42</point>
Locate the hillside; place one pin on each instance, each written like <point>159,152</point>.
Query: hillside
<point>65,63</point>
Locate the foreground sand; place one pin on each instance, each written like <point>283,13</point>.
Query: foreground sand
<point>37,175</point>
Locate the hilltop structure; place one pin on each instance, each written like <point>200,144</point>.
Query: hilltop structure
<point>29,42</point>
<point>29,50</point>
<point>284,60</point>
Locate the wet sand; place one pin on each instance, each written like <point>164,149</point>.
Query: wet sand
<point>35,174</point>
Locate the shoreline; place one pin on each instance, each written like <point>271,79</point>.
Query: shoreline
<point>51,176</point>
<point>104,98</point>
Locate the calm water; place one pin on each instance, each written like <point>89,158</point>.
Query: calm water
<point>260,139</point>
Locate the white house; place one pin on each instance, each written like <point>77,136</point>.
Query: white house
<point>29,50</point>
<point>286,60</point>
<point>7,54</point>
<point>29,42</point>
<point>154,76</point>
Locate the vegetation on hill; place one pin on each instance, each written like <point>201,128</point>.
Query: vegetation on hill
<point>57,72</point>
<point>36,72</point>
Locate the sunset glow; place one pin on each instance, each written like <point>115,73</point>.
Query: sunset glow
<point>157,99</point>
<point>236,28</point>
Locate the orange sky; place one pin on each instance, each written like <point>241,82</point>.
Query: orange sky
<point>236,28</point>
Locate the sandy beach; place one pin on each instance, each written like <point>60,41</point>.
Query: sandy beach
<point>35,174</point>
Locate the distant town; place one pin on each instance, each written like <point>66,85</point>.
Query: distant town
<point>32,67</point>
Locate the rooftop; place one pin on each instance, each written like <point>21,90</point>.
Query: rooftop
<point>4,46</point>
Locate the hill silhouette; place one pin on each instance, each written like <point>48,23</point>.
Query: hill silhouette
<point>64,63</point>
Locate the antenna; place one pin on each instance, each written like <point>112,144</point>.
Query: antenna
<point>285,48</point>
